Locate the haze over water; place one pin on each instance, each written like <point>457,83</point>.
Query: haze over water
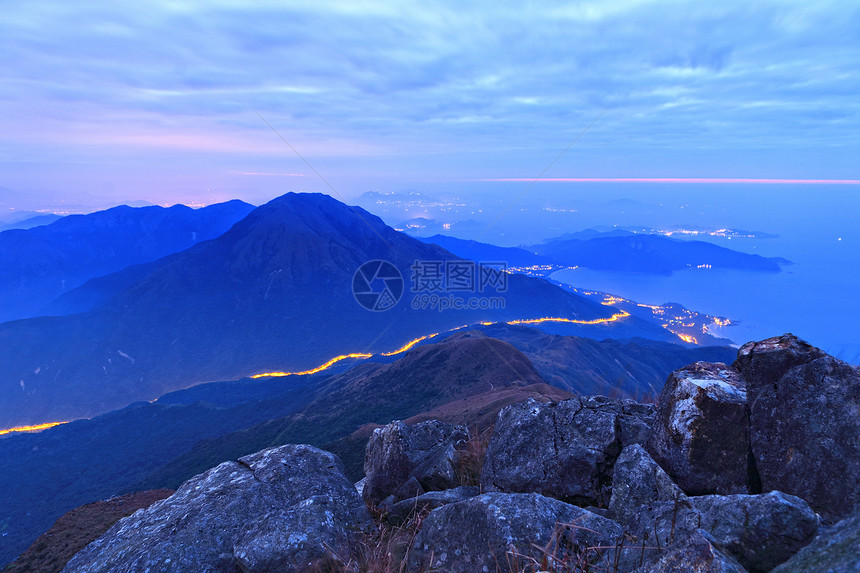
<point>815,298</point>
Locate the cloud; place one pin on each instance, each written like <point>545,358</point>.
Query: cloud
<point>445,82</point>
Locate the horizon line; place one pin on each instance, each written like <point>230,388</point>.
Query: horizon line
<point>705,180</point>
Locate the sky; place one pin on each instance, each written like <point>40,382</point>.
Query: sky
<point>175,101</point>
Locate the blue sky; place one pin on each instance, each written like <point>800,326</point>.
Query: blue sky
<point>162,101</point>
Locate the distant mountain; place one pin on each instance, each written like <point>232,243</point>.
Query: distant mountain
<point>423,227</point>
<point>272,293</point>
<point>594,233</point>
<point>513,256</point>
<point>27,220</point>
<point>40,263</point>
<point>654,254</point>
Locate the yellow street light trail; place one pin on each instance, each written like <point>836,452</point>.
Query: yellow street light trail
<point>613,318</point>
<point>34,428</point>
<point>412,343</point>
<point>409,345</point>
<point>319,368</point>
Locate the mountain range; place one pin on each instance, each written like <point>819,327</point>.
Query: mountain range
<point>616,250</point>
<point>653,254</point>
<point>274,292</point>
<point>40,263</point>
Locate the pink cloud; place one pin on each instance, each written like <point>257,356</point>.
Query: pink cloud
<point>683,180</point>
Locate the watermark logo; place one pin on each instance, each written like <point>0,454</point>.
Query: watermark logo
<point>459,276</point>
<point>377,285</point>
<point>436,285</point>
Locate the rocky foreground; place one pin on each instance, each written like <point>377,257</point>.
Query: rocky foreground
<point>750,467</point>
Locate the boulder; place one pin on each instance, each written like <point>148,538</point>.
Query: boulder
<point>661,525</point>
<point>766,361</point>
<point>513,532</point>
<point>835,550</point>
<point>634,418</point>
<point>701,431</point>
<point>804,422</point>
<point>397,452</point>
<point>400,512</point>
<point>280,509</point>
<point>638,480</point>
<point>697,554</point>
<point>564,450</point>
<point>759,531</point>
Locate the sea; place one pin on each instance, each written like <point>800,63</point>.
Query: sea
<point>816,297</point>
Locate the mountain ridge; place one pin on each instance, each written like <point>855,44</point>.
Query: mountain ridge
<point>272,293</point>
<point>43,262</point>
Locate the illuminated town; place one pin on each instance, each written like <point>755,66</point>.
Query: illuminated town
<point>688,325</point>
<point>699,232</point>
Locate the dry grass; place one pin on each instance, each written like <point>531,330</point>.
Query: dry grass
<point>470,457</point>
<point>383,549</point>
<point>386,549</point>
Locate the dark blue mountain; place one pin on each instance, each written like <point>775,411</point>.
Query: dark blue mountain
<point>41,263</point>
<point>27,220</point>
<point>513,256</point>
<point>272,293</point>
<point>653,254</point>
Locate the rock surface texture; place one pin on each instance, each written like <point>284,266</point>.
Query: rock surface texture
<point>502,531</point>
<point>804,422</point>
<point>701,433</point>
<point>277,510</point>
<point>402,510</point>
<point>564,450</point>
<point>639,481</point>
<point>758,531</point>
<point>697,554</point>
<point>835,550</point>
<point>423,454</point>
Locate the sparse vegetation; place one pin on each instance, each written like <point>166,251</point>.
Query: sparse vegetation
<point>386,549</point>
<point>470,458</point>
<point>382,549</point>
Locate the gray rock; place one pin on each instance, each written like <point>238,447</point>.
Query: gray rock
<point>761,531</point>
<point>835,550</point>
<point>766,361</point>
<point>564,450</point>
<point>438,471</point>
<point>276,510</point>
<point>359,485</point>
<point>408,489</point>
<point>804,422</point>
<point>634,418</point>
<point>401,511</point>
<point>638,480</point>
<point>397,452</point>
<point>701,432</point>
<point>660,525</point>
<point>509,532</point>
<point>697,554</point>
